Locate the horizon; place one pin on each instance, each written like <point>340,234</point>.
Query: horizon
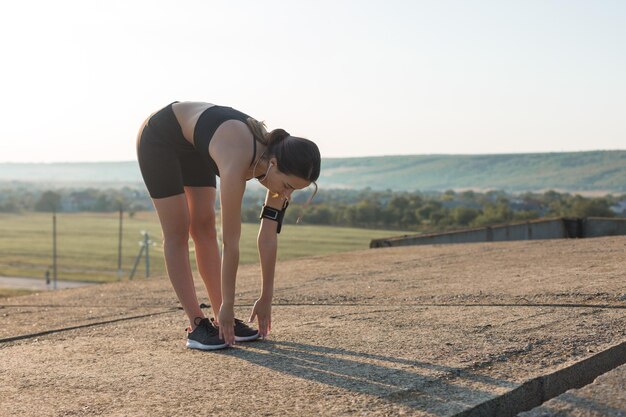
<point>399,78</point>
<point>339,157</point>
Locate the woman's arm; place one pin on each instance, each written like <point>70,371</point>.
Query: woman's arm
<point>230,149</point>
<point>267,242</point>
<point>231,193</point>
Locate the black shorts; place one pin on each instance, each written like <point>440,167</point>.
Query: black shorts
<point>168,162</point>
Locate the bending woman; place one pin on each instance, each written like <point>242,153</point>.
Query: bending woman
<point>181,148</point>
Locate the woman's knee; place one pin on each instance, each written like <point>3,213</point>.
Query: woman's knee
<point>203,226</point>
<point>175,237</point>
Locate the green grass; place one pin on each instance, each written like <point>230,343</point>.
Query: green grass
<point>87,244</point>
<point>11,292</point>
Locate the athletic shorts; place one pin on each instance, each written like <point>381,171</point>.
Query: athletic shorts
<point>168,162</point>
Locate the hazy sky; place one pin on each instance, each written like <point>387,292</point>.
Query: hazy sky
<point>360,78</point>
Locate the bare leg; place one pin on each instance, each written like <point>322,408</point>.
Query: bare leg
<point>174,217</point>
<point>201,202</point>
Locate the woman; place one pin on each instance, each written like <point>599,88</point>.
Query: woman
<point>181,148</point>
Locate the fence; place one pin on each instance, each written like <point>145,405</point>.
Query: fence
<point>557,228</point>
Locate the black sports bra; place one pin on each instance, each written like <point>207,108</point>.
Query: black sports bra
<point>207,124</point>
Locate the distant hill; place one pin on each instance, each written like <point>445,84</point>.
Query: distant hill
<point>80,173</point>
<point>597,171</point>
<point>567,171</point>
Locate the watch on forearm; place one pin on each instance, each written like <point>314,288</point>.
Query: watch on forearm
<point>276,215</point>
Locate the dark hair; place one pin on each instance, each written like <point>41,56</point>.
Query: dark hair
<point>295,156</point>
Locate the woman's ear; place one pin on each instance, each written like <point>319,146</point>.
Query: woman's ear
<point>273,162</point>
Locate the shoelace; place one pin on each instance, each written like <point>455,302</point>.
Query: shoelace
<point>212,330</point>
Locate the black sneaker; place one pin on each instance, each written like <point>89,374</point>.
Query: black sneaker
<point>205,336</point>
<point>243,332</point>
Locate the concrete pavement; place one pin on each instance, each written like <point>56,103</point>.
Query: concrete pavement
<point>459,330</point>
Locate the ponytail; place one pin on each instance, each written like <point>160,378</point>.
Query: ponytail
<point>275,137</point>
<point>258,130</point>
<point>270,139</point>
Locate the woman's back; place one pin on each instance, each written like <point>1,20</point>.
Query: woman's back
<point>187,113</point>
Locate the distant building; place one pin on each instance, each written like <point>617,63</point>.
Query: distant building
<point>620,208</point>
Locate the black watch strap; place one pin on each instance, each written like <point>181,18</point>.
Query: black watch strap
<point>276,215</point>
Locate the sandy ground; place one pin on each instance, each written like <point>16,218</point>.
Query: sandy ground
<point>423,330</point>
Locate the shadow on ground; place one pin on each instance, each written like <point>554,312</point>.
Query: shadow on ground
<point>422,386</point>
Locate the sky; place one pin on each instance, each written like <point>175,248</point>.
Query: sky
<point>360,78</point>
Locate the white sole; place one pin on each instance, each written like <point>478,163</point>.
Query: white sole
<point>192,344</point>
<point>247,338</point>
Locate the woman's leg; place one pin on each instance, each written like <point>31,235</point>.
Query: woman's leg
<point>201,201</point>
<point>174,217</point>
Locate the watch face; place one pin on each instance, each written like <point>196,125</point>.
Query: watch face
<point>270,213</point>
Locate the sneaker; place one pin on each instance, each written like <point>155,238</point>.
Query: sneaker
<point>243,332</point>
<point>205,336</point>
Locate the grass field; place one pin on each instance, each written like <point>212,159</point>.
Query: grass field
<point>11,292</point>
<point>87,244</point>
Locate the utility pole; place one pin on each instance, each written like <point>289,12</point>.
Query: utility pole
<point>54,248</point>
<point>146,243</point>
<point>119,247</point>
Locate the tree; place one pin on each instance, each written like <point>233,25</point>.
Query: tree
<point>367,213</point>
<point>597,207</point>
<point>427,209</point>
<point>463,216</point>
<point>494,214</point>
<point>319,215</point>
<point>49,201</point>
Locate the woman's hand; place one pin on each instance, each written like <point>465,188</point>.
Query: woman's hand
<point>263,311</point>
<point>226,321</point>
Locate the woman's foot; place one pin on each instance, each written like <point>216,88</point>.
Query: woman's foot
<point>205,336</point>
<point>243,332</point>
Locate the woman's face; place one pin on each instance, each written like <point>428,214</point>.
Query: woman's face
<point>281,184</point>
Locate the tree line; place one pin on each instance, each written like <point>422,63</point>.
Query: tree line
<point>25,198</point>
<point>419,211</point>
<point>441,211</point>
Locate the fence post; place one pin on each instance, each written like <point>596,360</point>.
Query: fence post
<point>54,249</point>
<point>146,243</point>
<point>119,247</point>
